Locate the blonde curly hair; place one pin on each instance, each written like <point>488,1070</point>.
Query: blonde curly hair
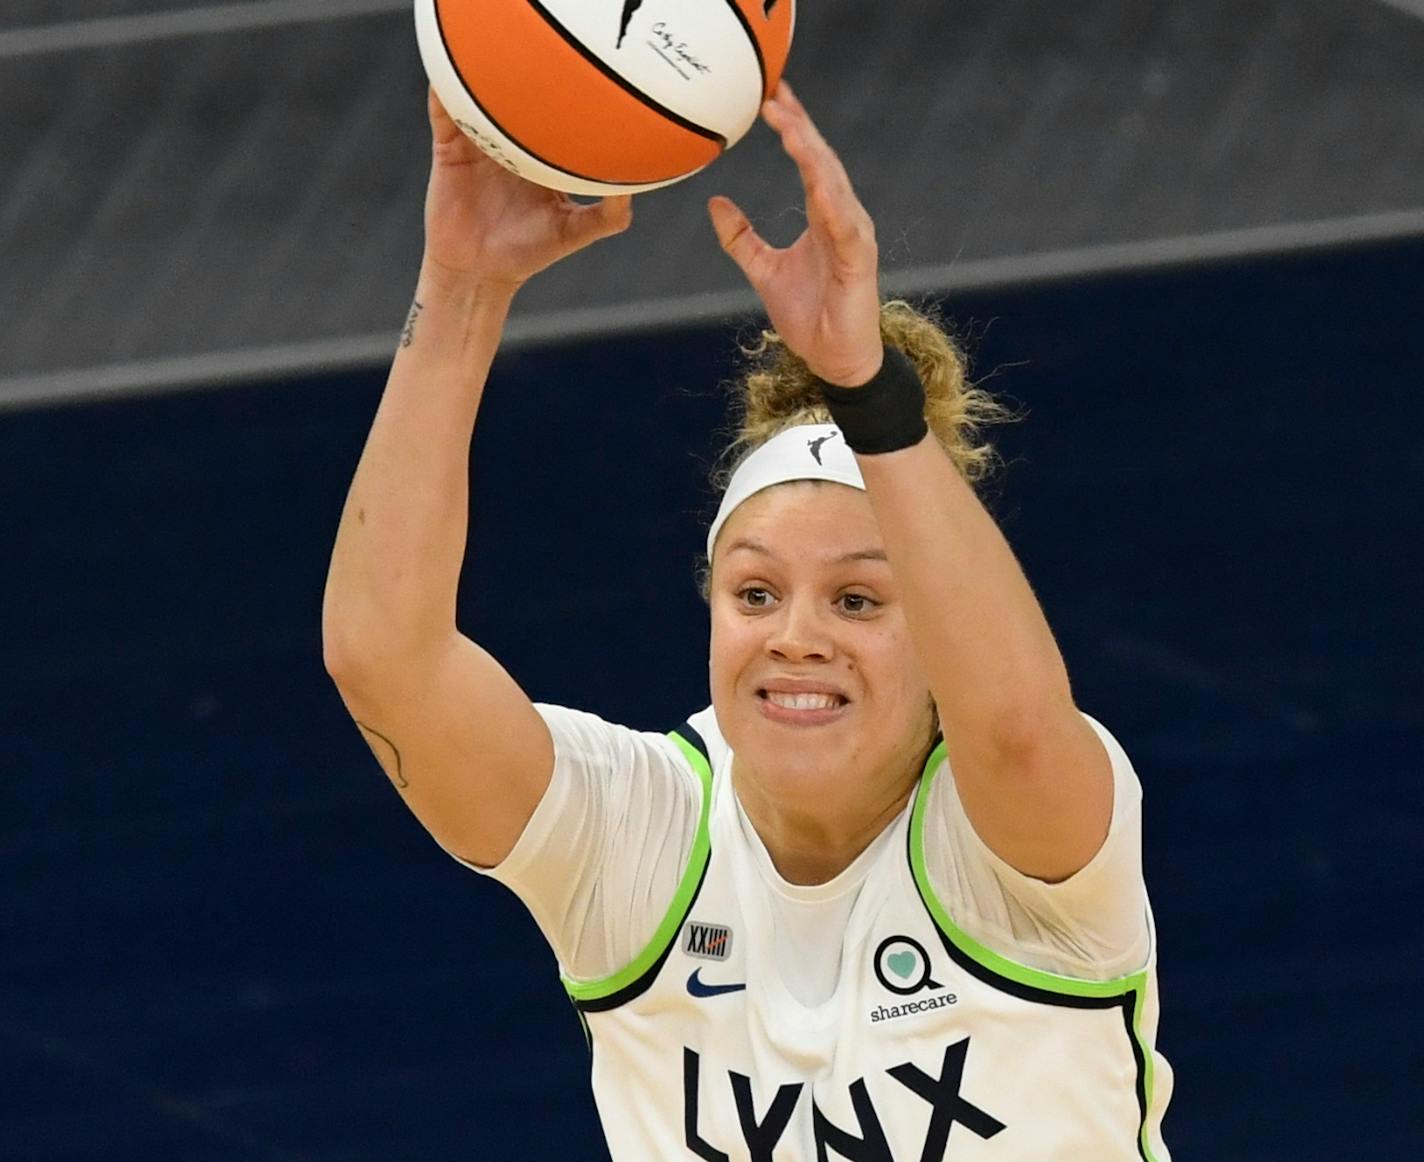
<point>778,391</point>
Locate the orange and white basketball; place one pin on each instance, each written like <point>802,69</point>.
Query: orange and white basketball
<point>604,96</point>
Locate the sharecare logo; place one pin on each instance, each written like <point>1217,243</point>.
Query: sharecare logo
<point>709,941</point>
<point>910,1008</point>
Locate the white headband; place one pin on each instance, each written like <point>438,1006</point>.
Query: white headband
<point>806,452</point>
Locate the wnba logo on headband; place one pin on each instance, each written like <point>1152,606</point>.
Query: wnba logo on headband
<point>815,445</point>
<point>784,458</point>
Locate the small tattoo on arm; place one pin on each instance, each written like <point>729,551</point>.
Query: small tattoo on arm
<point>408,331</point>
<point>397,774</point>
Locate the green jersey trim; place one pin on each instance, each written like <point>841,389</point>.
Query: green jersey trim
<point>584,992</point>
<point>1129,992</point>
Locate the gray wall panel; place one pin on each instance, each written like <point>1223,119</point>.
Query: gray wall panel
<point>262,188</point>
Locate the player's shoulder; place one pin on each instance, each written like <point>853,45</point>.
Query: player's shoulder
<point>1125,778</point>
<point>703,749</point>
<point>1127,787</point>
<point>584,737</point>
<point>707,737</point>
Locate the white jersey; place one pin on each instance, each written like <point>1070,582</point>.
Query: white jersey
<point>928,1045</point>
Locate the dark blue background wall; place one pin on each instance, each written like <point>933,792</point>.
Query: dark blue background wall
<point>222,937</point>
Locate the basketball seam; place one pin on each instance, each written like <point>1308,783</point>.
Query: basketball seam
<point>574,43</point>
<point>756,44</point>
<point>469,92</point>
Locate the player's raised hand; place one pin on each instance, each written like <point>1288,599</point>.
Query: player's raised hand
<point>484,223</point>
<point>822,293</point>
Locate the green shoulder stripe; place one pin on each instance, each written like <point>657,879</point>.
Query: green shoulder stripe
<point>987,958</point>
<point>586,991</point>
<point>1126,992</point>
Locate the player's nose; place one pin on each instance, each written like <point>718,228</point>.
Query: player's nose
<point>799,633</point>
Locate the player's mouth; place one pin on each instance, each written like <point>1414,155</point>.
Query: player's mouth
<point>801,707</point>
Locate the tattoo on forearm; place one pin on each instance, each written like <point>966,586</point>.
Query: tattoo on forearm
<point>408,332</point>
<point>395,770</point>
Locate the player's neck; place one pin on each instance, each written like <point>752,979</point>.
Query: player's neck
<point>813,841</point>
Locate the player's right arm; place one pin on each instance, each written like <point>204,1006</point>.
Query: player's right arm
<point>460,741</point>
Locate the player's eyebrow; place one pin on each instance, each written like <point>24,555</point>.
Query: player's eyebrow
<point>746,544</point>
<point>751,546</point>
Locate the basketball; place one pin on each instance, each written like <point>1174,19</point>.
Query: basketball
<point>604,96</point>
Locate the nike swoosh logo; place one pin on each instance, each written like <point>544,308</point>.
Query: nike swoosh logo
<point>698,989</point>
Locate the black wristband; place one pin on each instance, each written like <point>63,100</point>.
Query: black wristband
<point>885,415</point>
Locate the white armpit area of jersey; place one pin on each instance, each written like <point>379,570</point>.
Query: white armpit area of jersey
<point>600,859</point>
<point>1094,925</point>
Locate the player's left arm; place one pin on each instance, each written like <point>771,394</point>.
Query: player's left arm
<point>1035,780</point>
<point>1033,776</point>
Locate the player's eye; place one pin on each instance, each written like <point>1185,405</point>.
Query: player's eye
<point>754,596</point>
<point>857,603</point>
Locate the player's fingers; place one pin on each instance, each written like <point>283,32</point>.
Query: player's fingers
<point>583,224</point>
<point>785,102</point>
<point>850,227</point>
<point>586,224</point>
<point>831,201</point>
<point>818,163</point>
<point>738,238</point>
<point>614,214</point>
<point>786,94</point>
<point>442,127</point>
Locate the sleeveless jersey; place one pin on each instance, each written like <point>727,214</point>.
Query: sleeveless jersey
<point>931,1046</point>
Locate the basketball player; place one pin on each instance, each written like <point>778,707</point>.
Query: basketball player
<point>882,899</point>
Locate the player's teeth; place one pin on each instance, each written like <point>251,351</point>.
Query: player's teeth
<point>804,701</point>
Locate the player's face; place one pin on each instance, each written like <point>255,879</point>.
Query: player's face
<point>814,679</point>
